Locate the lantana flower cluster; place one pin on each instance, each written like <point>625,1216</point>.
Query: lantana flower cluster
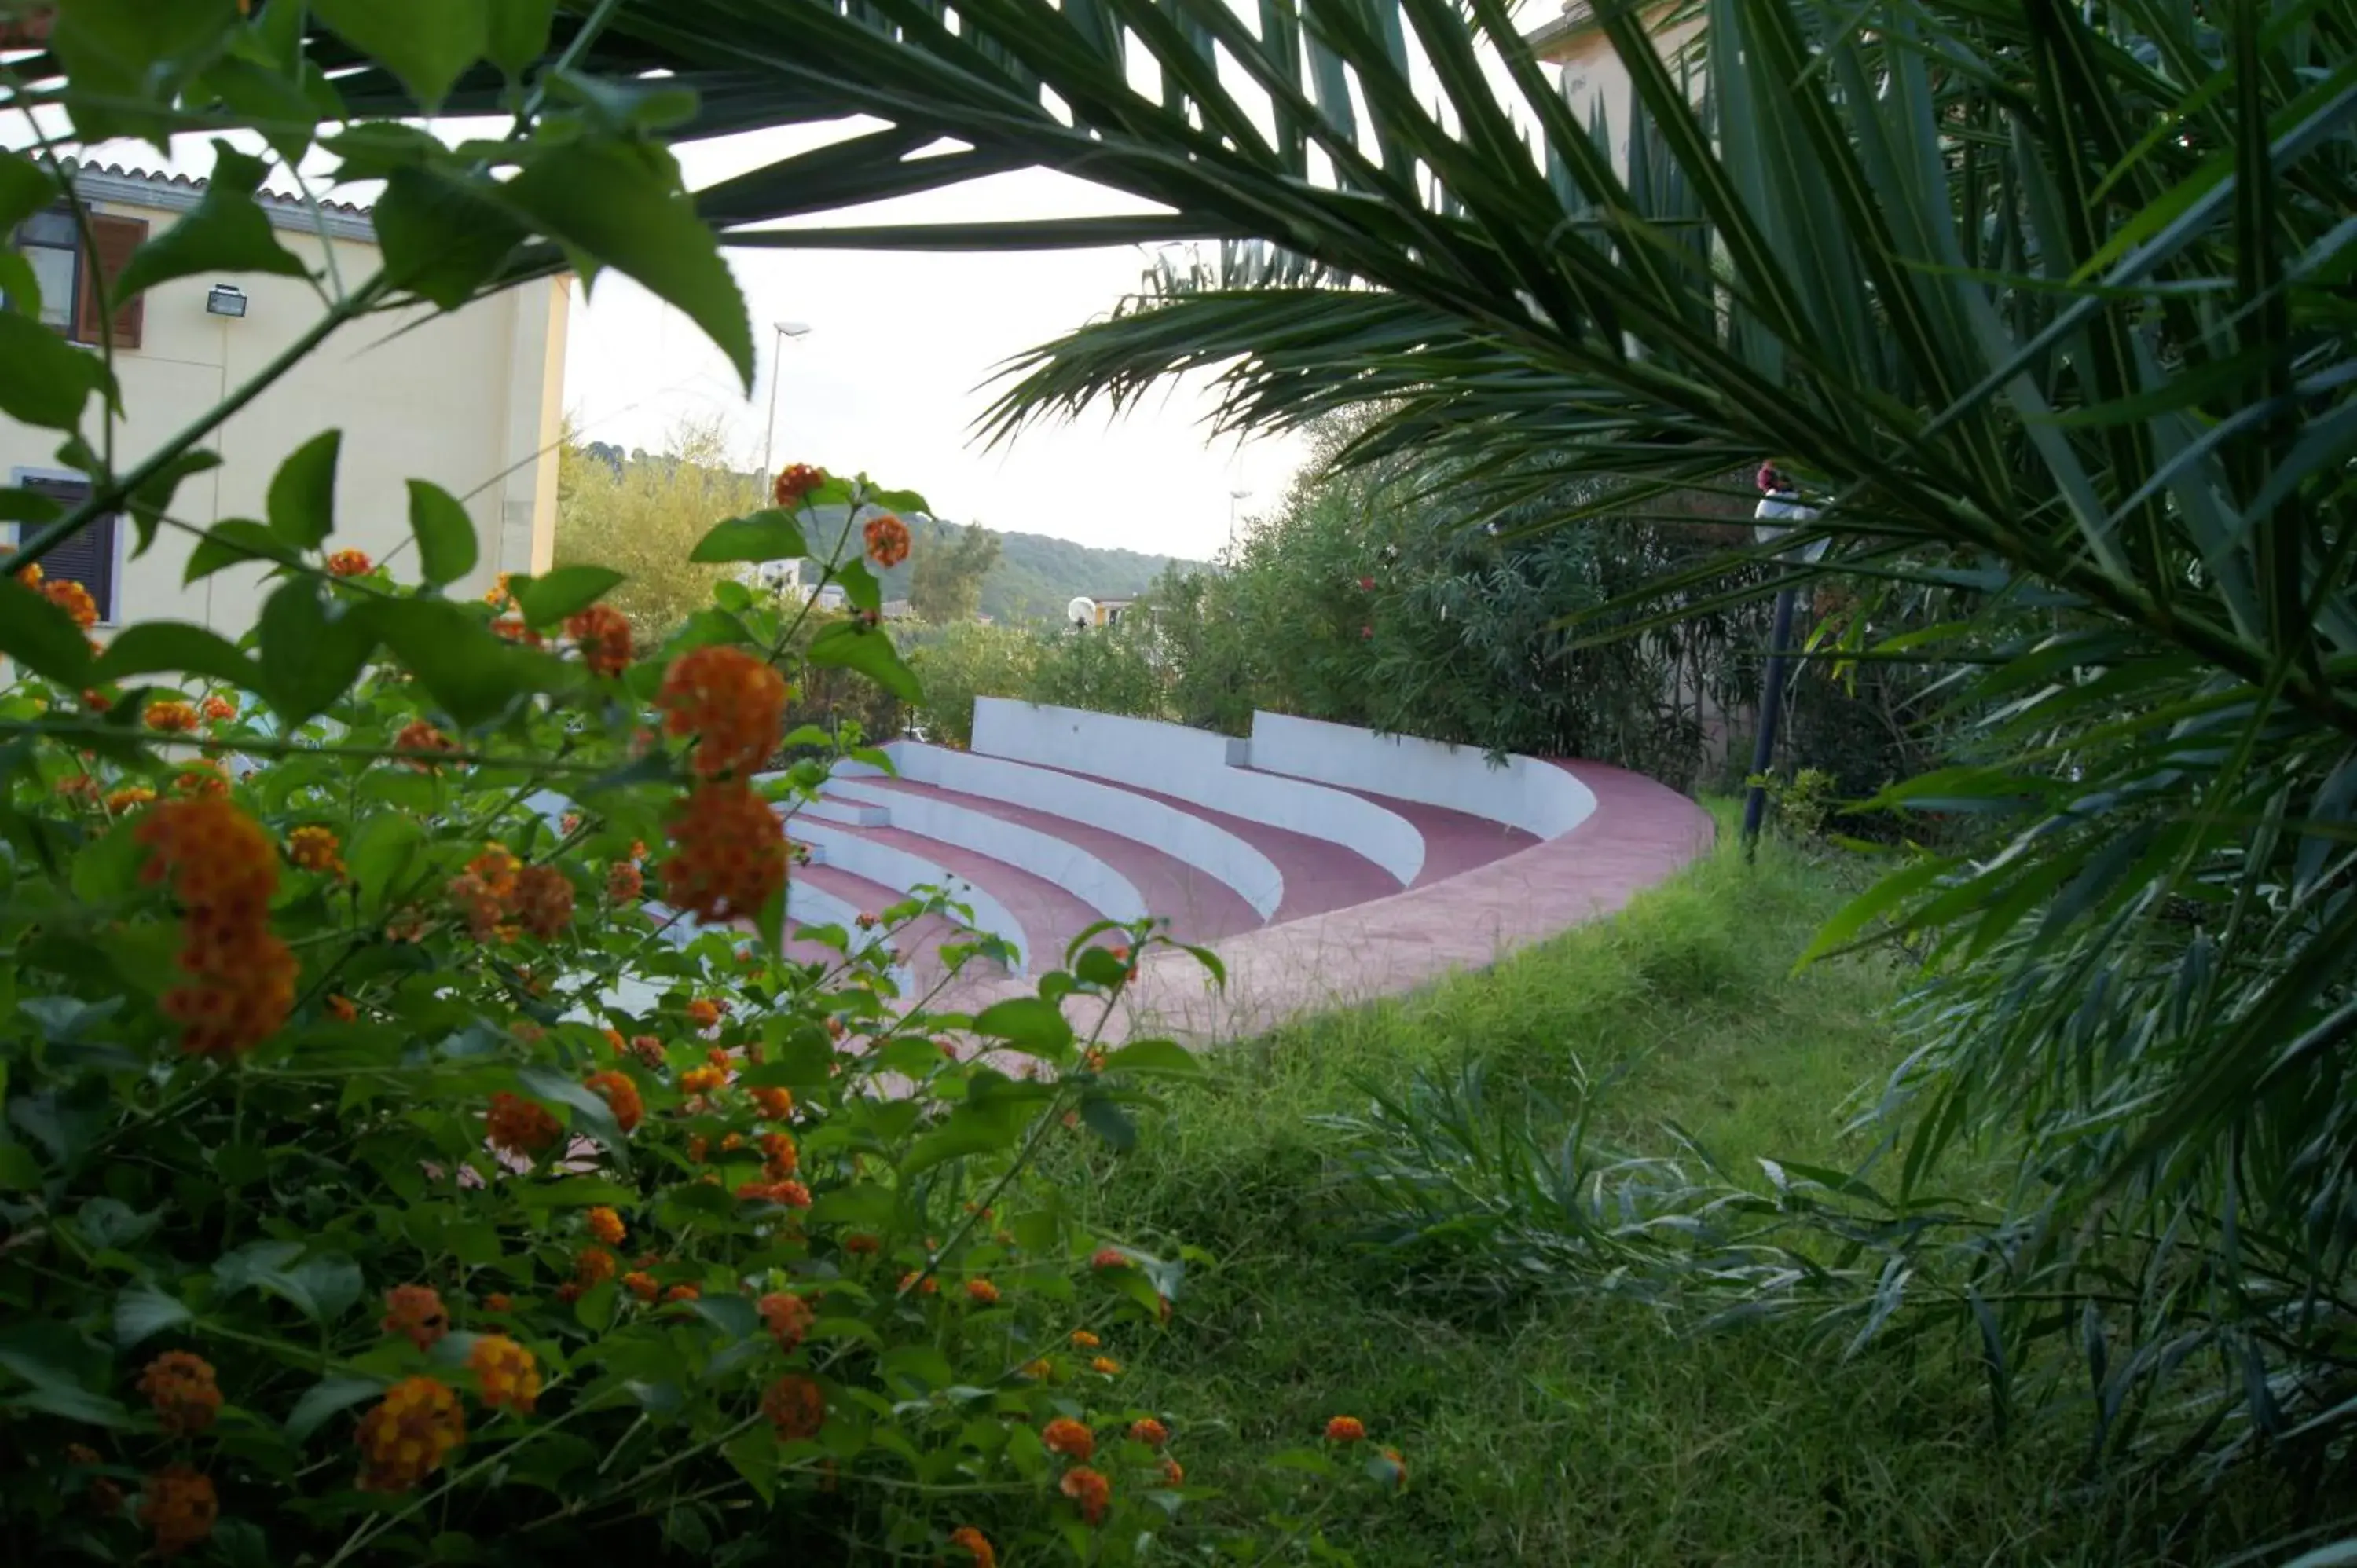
<point>223,869</point>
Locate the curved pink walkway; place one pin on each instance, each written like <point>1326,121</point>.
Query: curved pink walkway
<point>1639,832</point>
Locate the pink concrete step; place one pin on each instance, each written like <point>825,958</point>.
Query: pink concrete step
<point>1050,916</point>
<point>1454,841</point>
<point>1200,907</point>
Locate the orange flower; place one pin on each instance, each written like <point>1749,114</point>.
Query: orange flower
<point>408,1436</point>
<point>496,868</point>
<point>316,849</point>
<point>518,1125</point>
<point>1109,1257</point>
<point>349,563</point>
<point>607,1226</point>
<point>649,1051</point>
<point>223,870</point>
<point>731,1142</point>
<point>343,1008</point>
<point>641,1284</point>
<point>482,908</point>
<point>1104,1366</point>
<point>787,1316</point>
<point>1090,1491</point>
<point>1084,1340</point>
<point>795,482</point>
<point>603,635</point>
<point>74,599</point>
<point>785,1194</point>
<point>1173,1474</point>
<point>860,1245</point>
<point>982,1292</point>
<point>515,629</point>
<point>625,884</point>
<point>698,1145</point>
<point>733,705</point>
<point>592,1266</point>
<point>702,1080</point>
<point>422,739</point>
<point>977,1546</point>
<point>220,709</point>
<point>621,1096</point>
<point>179,1506</point>
<point>1069,1437</point>
<point>201,777</point>
<point>888,541</point>
<point>776,1104</point>
<point>1148,1431</point>
<point>1345,1429</point>
<point>417,1312</point>
<point>506,1374</point>
<point>498,594</point>
<point>729,856</point>
<point>703,1014</point>
<point>130,797</point>
<point>928,1285</point>
<point>181,1388</point>
<point>796,1406</point>
<point>544,901</point>
<point>683,1292</point>
<point>498,1301</point>
<point>1040,1371</point>
<point>173,716</point>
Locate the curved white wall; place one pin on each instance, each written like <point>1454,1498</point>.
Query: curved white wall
<point>1205,846</point>
<point>1534,796</point>
<point>1193,766</point>
<point>902,872</point>
<point>1068,867</point>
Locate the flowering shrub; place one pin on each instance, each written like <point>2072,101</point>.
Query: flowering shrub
<point>386,1179</point>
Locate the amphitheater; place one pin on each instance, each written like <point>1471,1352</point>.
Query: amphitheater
<point>1326,865</point>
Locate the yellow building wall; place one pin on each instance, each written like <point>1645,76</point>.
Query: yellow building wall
<point>1592,71</point>
<point>471,400</point>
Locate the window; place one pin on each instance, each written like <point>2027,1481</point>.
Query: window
<point>51,245</point>
<point>87,557</point>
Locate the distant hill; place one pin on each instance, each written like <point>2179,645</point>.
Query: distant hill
<point>1037,576</point>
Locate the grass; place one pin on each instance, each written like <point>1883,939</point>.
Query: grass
<point>1564,1429</point>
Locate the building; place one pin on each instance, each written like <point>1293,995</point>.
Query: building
<point>470,401</point>
<point>1111,608</point>
<point>1593,75</point>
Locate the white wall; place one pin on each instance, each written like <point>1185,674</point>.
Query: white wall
<point>902,872</point>
<point>1524,792</point>
<point>1192,766</point>
<point>1206,846</point>
<point>1068,865</point>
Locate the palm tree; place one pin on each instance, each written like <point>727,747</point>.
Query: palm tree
<point>2050,305</point>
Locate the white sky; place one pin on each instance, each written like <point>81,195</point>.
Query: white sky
<point>893,373</point>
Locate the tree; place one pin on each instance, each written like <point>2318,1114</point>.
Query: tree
<point>644,517</point>
<point>946,570</point>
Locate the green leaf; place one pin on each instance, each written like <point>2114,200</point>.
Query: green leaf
<point>444,238</point>
<point>24,188</point>
<point>445,535</point>
<point>591,1115</point>
<point>1164,1057</point>
<point>899,501</point>
<point>143,1310</point>
<point>566,591</point>
<point>41,637</point>
<point>1108,1120</point>
<point>44,380</point>
<point>302,492</point>
<point>467,669</point>
<point>312,649</point>
<point>769,535</point>
<point>622,206</point>
<point>732,1314</point>
<point>152,501</point>
<point>234,542</point>
<point>155,645</point>
<point>57,1394</point>
<point>326,1397</point>
<point>517,33</point>
<point>427,43</point>
<point>859,585</point>
<point>126,58</point>
<point>380,853</point>
<point>226,232</point>
<point>848,645</point>
<point>1032,1026</point>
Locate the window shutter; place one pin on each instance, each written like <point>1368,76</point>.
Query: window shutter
<point>87,557</point>
<point>111,242</point>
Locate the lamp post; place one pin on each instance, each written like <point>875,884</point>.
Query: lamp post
<point>785,329</point>
<point>1781,510</point>
<point>1235,497</point>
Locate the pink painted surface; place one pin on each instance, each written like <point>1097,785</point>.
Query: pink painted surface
<point>1641,833</point>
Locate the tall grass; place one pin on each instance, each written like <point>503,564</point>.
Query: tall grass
<point>1551,1429</point>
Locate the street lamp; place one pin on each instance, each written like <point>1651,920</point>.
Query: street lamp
<point>785,329</point>
<point>1780,510</point>
<point>1235,497</point>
